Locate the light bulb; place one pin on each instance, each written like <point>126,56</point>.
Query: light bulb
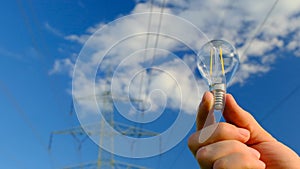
<point>217,62</point>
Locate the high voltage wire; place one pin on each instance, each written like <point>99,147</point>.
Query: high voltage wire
<point>259,28</point>
<point>292,92</point>
<point>14,159</point>
<point>25,118</point>
<point>179,154</point>
<point>38,46</point>
<point>38,43</point>
<point>147,45</point>
<point>280,103</point>
<point>145,53</point>
<point>22,114</point>
<point>153,55</point>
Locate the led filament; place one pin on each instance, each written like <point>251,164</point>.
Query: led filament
<point>212,52</point>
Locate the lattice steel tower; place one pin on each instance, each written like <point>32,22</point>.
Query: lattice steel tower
<point>105,159</point>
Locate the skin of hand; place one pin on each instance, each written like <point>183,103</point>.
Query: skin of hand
<point>238,143</point>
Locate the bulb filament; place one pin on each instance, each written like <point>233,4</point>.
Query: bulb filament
<point>221,60</point>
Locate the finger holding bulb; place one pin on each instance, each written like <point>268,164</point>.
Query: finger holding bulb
<point>229,154</point>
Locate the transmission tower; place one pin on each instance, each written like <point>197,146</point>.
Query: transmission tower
<point>80,135</point>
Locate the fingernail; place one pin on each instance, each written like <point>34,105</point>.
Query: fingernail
<point>204,96</point>
<point>254,152</point>
<point>244,132</point>
<point>262,164</point>
<point>206,101</point>
<point>205,93</point>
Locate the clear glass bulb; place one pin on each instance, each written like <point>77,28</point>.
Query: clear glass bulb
<point>217,62</point>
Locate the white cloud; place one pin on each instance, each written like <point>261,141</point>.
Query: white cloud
<point>62,66</point>
<point>53,30</point>
<point>79,39</point>
<point>292,45</point>
<point>236,22</point>
<point>246,70</point>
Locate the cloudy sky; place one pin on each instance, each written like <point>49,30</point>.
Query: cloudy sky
<point>110,44</point>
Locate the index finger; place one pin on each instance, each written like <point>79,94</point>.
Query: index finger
<point>205,116</point>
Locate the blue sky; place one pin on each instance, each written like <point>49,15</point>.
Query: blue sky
<point>41,40</point>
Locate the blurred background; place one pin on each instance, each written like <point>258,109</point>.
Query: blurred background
<point>41,40</point>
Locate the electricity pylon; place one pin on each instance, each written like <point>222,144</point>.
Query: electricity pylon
<point>80,135</point>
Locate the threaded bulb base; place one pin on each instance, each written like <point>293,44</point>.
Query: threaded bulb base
<point>219,91</point>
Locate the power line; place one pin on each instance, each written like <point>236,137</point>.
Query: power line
<point>280,103</point>
<point>259,28</point>
<point>39,44</point>
<point>158,29</point>
<point>147,46</point>
<point>145,53</point>
<point>155,47</point>
<point>179,155</point>
<point>25,119</point>
<point>154,55</point>
<point>141,85</point>
<point>22,114</point>
<point>11,157</point>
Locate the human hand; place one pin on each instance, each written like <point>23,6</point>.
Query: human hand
<point>240,142</point>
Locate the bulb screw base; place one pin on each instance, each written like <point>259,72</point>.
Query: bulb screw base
<point>218,90</point>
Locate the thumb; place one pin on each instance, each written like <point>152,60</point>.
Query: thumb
<point>235,115</point>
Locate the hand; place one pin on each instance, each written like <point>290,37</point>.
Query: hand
<point>240,142</point>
